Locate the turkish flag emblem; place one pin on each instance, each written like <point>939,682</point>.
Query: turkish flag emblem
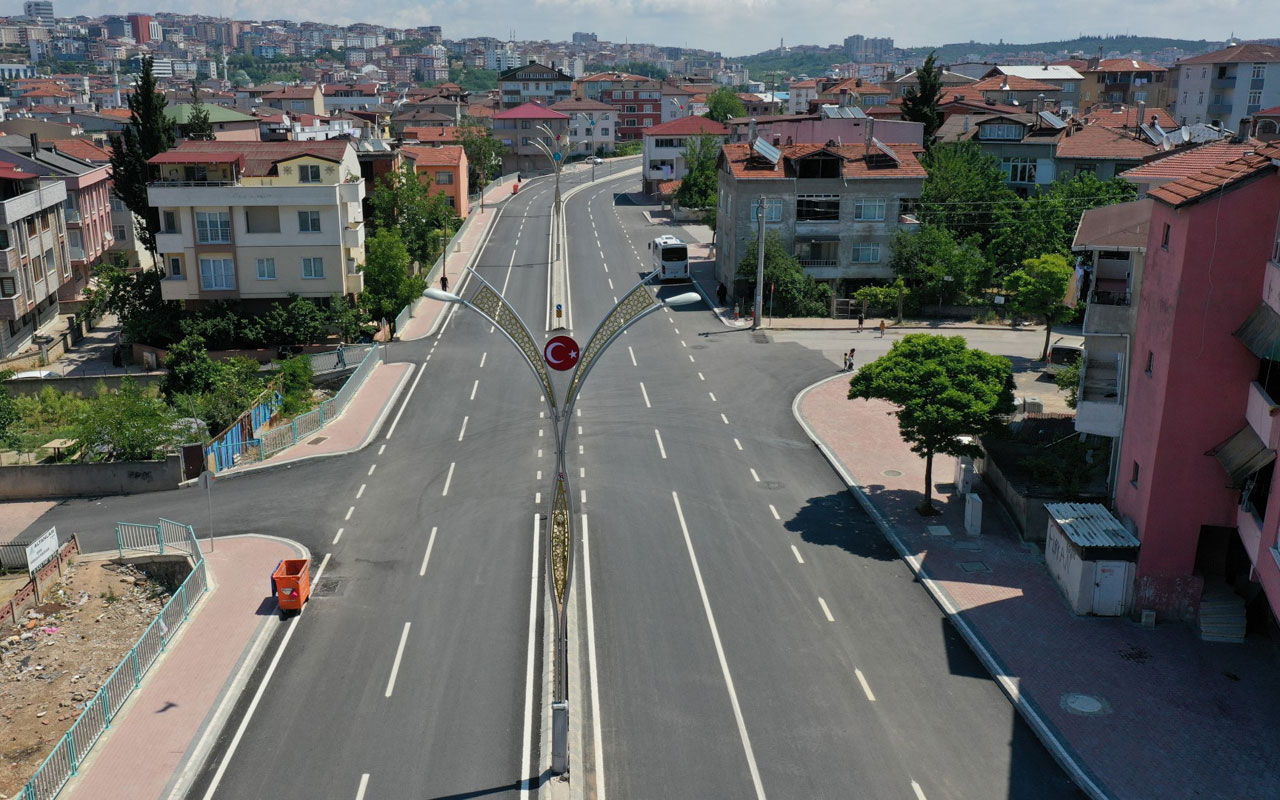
<point>561,353</point>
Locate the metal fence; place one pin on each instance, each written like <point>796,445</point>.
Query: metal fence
<point>99,712</point>
<point>342,358</point>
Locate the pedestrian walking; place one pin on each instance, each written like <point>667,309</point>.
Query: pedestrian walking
<point>444,283</point>
<point>848,361</point>
<point>861,317</point>
<point>882,327</point>
<point>721,293</point>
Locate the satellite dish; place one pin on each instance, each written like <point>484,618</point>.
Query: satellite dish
<point>1186,135</point>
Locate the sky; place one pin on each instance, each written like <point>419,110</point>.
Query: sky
<point>744,27</point>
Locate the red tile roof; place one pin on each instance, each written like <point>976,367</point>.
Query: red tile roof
<point>855,86</point>
<point>433,134</point>
<point>1125,65</point>
<point>530,111</point>
<point>1268,112</point>
<point>579,104</point>
<point>745,167</point>
<point>116,113</point>
<point>443,156</point>
<point>613,76</point>
<point>688,126</point>
<point>82,149</point>
<point>1196,187</point>
<point>669,188</point>
<point>1128,117</point>
<point>1013,83</point>
<point>292,93</point>
<point>1101,141</point>
<point>261,158</point>
<point>11,172</point>
<point>1190,160</point>
<point>1238,53</point>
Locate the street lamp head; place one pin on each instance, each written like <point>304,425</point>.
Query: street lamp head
<point>441,295</point>
<point>685,299</point>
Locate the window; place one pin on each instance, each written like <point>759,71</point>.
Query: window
<point>213,227</point>
<point>772,209</point>
<point>604,132</point>
<point>1184,98</point>
<point>1020,169</point>
<point>4,238</point>
<point>444,178</point>
<point>866,253</point>
<point>297,105</point>
<point>817,208</point>
<point>1255,98</point>
<point>908,205</point>
<point>313,268</point>
<point>1258,71</point>
<point>668,143</point>
<point>309,222</point>
<point>1257,491</point>
<point>1133,477</point>
<point>1164,238</point>
<point>266,269</point>
<point>1200,99</point>
<point>630,109</point>
<point>117,204</point>
<point>119,232</point>
<point>175,267</point>
<point>309,173</point>
<point>217,274</point>
<point>8,288</point>
<point>1222,73</point>
<point>1068,87</point>
<point>1151,363</point>
<point>262,219</point>
<point>868,209</point>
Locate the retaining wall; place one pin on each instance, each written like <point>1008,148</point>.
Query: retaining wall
<point>49,481</point>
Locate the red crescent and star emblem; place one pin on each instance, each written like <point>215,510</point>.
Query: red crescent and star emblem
<point>561,352</point>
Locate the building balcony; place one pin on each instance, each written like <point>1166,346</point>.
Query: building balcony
<point>76,253</point>
<point>169,242</point>
<point>1108,312</point>
<point>353,237</point>
<point>1260,411</point>
<point>72,215</point>
<point>1099,402</point>
<point>1219,110</point>
<point>353,281</point>
<point>1228,82</point>
<point>818,263</point>
<point>12,308</point>
<point>172,194</point>
<point>28,203</point>
<point>351,191</point>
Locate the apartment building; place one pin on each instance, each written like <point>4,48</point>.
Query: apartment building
<point>1124,80</point>
<point>258,221</point>
<point>1227,86</point>
<point>534,83</point>
<point>1069,82</point>
<point>637,100</point>
<point>445,167</point>
<point>297,99</point>
<point>520,129</point>
<point>836,206</point>
<point>1197,459</point>
<point>34,262</point>
<point>591,124</point>
<point>664,145</point>
<point>801,95</point>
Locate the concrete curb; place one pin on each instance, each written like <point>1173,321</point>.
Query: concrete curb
<point>1057,745</point>
<point>891,328</point>
<point>373,431</point>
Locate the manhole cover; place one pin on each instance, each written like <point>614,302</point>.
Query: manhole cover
<point>892,473</point>
<point>973,566</point>
<point>938,530</point>
<point>317,440</point>
<point>967,546</point>
<point>329,587</point>
<point>773,485</point>
<point>697,347</point>
<point>1084,704</point>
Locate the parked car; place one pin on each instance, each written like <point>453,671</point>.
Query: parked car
<point>37,373</point>
<point>1062,355</point>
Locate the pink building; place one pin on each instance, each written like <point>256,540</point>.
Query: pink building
<point>1197,452</point>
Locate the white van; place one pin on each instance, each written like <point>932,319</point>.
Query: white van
<point>670,258</point>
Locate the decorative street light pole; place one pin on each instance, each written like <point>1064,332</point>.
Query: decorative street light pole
<point>634,305</point>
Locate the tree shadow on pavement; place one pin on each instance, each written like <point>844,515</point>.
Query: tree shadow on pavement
<point>837,520</point>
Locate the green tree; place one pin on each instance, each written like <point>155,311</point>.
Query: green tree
<point>198,126</point>
<point>347,319</point>
<point>1068,380</point>
<point>1038,290</point>
<point>698,188</point>
<point>484,156</point>
<point>127,425</point>
<point>404,203</point>
<point>794,294</point>
<point>388,285</point>
<point>148,134</point>
<point>964,190</point>
<point>724,103</point>
<point>190,369</point>
<point>935,265</point>
<point>920,103</point>
<point>136,300</point>
<point>295,385</point>
<point>8,411</point>
<point>943,390</point>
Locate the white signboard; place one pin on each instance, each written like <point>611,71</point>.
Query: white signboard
<point>41,550</point>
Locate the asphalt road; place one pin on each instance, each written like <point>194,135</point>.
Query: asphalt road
<point>754,634</point>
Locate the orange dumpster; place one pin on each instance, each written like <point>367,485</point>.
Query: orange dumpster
<point>292,583</point>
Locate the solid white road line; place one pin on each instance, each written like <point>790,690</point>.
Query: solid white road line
<point>431,542</point>
<point>645,392</point>
<point>661,450</point>
<point>526,779</point>
<point>633,356</point>
<point>713,396</point>
<point>826,610</point>
<point>364,784</point>
<point>724,665</point>
<point>360,492</point>
<point>381,449</point>
<point>395,665</point>
<point>405,403</point>
<point>350,511</point>
<point>463,432</point>
<point>483,356</point>
<point>796,550</point>
<point>475,386</point>
<point>596,737</point>
<point>866,688</point>
<point>372,467</point>
<point>448,479</point>
<point>726,419</point>
<point>338,535</point>
<point>915,787</point>
<point>774,511</point>
<point>754,476</point>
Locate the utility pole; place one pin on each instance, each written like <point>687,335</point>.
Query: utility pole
<point>758,311</point>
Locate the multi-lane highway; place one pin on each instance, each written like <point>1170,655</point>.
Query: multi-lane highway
<point>751,632</point>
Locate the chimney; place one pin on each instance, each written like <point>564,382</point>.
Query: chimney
<point>871,132</point>
<point>1241,131</point>
<point>966,123</point>
<point>1142,112</point>
<point>751,131</point>
<point>35,147</point>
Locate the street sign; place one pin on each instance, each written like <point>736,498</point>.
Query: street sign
<point>561,353</point>
<point>556,156</point>
<point>46,547</point>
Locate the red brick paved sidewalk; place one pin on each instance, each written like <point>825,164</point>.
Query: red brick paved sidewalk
<point>1179,718</point>
<point>144,752</point>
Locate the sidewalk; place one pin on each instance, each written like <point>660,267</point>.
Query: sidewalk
<point>1134,712</point>
<point>177,712</point>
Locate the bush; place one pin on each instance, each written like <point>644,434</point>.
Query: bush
<point>295,385</point>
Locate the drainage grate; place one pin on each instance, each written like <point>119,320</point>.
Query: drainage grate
<point>973,566</point>
<point>939,530</point>
<point>318,440</point>
<point>329,587</point>
<point>1086,705</point>
<point>760,337</point>
<point>967,545</point>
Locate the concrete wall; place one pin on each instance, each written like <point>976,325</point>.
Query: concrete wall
<point>47,481</point>
<point>86,386</point>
